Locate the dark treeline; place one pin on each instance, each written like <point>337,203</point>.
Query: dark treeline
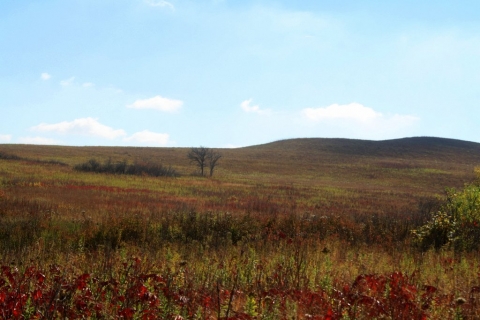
<point>9,156</point>
<point>122,167</point>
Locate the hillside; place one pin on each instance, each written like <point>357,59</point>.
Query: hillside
<point>423,164</point>
<point>414,147</point>
<point>411,162</point>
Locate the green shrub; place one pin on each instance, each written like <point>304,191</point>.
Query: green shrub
<point>456,224</point>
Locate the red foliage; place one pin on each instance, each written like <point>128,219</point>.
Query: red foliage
<point>38,294</point>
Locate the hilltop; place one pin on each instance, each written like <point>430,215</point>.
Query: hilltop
<point>415,146</point>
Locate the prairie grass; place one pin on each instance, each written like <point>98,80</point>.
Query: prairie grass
<point>285,230</point>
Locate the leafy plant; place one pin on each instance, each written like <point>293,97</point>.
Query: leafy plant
<point>457,223</point>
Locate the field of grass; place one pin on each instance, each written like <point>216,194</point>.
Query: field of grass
<point>294,229</point>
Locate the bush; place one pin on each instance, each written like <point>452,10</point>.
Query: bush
<point>137,168</point>
<point>456,224</point>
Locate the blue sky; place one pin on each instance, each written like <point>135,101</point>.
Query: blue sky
<point>235,73</point>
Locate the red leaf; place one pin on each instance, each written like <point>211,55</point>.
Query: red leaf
<point>17,310</point>
<point>142,290</point>
<point>81,282</point>
<point>29,272</point>
<point>329,315</point>
<point>207,302</point>
<point>37,294</point>
<point>127,313</point>
<point>40,278</point>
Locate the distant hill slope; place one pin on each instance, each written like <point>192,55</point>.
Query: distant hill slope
<point>420,162</point>
<point>349,150</point>
<point>344,150</point>
<point>416,146</point>
<point>425,163</point>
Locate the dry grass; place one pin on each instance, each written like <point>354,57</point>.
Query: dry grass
<point>286,221</point>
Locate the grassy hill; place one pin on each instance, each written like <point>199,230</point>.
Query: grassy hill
<point>416,161</point>
<point>416,146</point>
<point>322,225</point>
<point>424,163</point>
<point>339,175</point>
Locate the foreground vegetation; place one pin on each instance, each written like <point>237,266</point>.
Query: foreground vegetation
<point>268,238</point>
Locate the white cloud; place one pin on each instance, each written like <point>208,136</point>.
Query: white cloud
<point>87,85</point>
<point>359,121</point>
<point>147,137</point>
<point>157,103</point>
<point>353,111</point>
<point>82,126</point>
<point>232,146</point>
<point>5,137</point>
<point>45,76</point>
<point>253,109</point>
<point>67,82</point>
<point>37,140</point>
<point>160,3</point>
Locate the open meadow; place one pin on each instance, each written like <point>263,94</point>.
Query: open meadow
<point>295,229</point>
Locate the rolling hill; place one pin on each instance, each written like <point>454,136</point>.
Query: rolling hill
<point>424,164</point>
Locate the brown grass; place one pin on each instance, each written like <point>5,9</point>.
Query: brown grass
<point>288,221</point>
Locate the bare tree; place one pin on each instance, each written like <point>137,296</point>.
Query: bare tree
<point>199,157</point>
<point>213,158</point>
<point>204,157</point>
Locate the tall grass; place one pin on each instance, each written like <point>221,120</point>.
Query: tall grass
<point>263,244</point>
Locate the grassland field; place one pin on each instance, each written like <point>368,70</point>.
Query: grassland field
<point>294,229</point>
